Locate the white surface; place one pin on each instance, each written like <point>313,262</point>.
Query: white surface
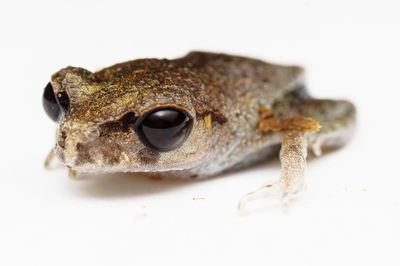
<point>348,216</point>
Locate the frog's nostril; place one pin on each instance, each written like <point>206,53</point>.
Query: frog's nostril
<point>92,133</point>
<point>80,147</point>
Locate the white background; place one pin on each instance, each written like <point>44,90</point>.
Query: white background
<point>349,214</point>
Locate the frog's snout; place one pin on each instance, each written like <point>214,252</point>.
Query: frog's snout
<point>73,145</point>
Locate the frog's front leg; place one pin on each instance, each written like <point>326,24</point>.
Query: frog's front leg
<point>50,157</point>
<point>293,159</point>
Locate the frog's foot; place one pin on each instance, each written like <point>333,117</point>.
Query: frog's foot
<point>272,191</point>
<point>337,118</point>
<point>49,159</point>
<point>73,174</point>
<point>316,147</point>
<point>293,159</point>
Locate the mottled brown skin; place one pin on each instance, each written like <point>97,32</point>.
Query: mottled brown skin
<point>222,93</point>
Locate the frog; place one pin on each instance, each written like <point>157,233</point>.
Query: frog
<point>193,117</point>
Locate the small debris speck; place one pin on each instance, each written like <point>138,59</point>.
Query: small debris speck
<point>198,198</point>
<point>141,216</point>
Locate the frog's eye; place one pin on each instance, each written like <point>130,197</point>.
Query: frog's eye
<point>164,129</point>
<point>54,106</point>
<point>63,101</point>
<point>50,105</point>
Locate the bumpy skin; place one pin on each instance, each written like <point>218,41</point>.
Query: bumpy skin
<point>222,93</point>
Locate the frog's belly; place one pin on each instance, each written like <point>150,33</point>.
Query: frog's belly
<point>257,157</point>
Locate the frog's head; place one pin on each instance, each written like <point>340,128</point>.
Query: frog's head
<point>142,121</point>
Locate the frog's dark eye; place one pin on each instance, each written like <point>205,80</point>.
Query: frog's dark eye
<point>54,106</point>
<point>164,129</point>
<point>50,105</point>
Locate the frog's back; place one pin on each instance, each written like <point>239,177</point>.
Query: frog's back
<point>215,81</point>
<point>235,80</point>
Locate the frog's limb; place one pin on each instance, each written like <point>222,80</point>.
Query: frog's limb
<point>276,124</point>
<point>337,119</point>
<point>293,159</point>
<point>49,159</point>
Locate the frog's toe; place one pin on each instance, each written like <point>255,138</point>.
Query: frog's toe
<point>316,148</point>
<point>73,174</point>
<point>272,191</point>
<point>278,190</point>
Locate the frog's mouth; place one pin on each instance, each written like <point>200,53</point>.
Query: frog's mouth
<point>87,162</point>
<point>110,155</point>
